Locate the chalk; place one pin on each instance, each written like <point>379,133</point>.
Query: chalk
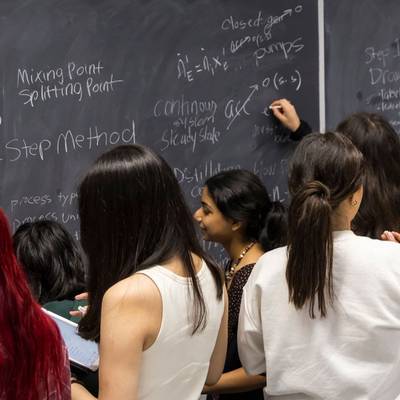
<point>272,107</point>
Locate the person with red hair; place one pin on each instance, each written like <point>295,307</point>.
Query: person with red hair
<point>33,359</point>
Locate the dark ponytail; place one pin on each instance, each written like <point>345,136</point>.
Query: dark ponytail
<point>309,223</point>
<point>325,170</point>
<point>274,228</point>
<point>241,196</point>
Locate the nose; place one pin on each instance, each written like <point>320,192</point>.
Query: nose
<point>197,215</point>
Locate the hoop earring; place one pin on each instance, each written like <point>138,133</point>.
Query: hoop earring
<point>354,203</point>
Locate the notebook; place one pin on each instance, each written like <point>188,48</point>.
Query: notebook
<point>82,353</point>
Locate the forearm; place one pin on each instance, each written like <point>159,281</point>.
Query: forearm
<point>236,381</point>
<point>303,130</point>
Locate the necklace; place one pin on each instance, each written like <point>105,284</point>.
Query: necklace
<point>231,270</point>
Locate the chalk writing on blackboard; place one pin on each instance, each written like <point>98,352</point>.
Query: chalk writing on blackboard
<point>20,148</point>
<point>70,80</point>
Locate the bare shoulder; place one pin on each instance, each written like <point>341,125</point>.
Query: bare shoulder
<point>133,308</point>
<point>136,291</point>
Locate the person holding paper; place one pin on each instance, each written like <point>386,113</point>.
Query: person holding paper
<point>160,299</point>
<point>33,360</point>
<point>53,264</point>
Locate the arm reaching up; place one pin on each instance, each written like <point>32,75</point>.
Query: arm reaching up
<point>286,113</point>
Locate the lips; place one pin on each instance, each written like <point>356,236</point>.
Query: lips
<point>202,228</point>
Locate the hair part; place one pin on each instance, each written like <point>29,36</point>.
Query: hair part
<point>325,170</point>
<point>241,196</point>
<point>134,216</point>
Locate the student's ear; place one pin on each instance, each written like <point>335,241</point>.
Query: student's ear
<point>236,225</point>
<point>356,198</point>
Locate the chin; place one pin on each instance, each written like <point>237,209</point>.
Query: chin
<point>205,236</point>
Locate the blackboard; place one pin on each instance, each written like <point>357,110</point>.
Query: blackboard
<point>362,48</point>
<point>190,79</point>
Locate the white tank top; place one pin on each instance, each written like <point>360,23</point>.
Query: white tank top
<point>176,365</point>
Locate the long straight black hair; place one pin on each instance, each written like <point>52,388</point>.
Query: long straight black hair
<point>133,216</point>
<point>241,196</point>
<point>325,170</point>
<point>380,145</point>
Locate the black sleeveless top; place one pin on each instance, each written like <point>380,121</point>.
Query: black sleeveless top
<point>232,361</point>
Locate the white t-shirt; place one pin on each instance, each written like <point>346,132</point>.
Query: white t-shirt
<point>176,365</point>
<point>353,353</point>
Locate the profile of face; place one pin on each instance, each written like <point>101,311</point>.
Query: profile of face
<point>214,225</point>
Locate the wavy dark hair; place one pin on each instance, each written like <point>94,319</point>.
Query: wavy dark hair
<point>325,170</point>
<point>134,216</point>
<point>51,259</point>
<point>32,358</point>
<point>380,145</point>
<point>241,196</point>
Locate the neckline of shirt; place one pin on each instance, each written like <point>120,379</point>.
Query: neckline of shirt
<point>180,278</point>
<point>341,235</point>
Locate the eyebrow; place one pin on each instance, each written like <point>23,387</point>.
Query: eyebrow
<point>206,205</point>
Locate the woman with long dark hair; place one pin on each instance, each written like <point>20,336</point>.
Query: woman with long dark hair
<point>237,212</point>
<point>373,135</point>
<point>33,361</point>
<point>155,299</point>
<point>321,317</point>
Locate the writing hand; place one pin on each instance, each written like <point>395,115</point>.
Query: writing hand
<point>286,113</point>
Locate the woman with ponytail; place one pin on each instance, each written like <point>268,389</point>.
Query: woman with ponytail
<point>33,362</point>
<point>321,317</point>
<point>237,212</point>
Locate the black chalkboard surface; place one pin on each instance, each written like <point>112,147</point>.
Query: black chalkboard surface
<point>362,59</point>
<point>191,79</point>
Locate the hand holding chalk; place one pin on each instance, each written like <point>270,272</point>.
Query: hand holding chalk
<point>286,113</point>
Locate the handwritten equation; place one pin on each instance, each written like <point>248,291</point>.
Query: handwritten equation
<point>205,65</point>
<point>238,107</point>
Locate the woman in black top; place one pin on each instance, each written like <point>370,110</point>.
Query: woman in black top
<point>236,212</point>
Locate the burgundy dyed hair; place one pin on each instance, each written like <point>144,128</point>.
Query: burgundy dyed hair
<point>32,357</point>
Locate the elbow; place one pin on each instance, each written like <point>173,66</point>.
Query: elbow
<point>211,382</point>
<point>213,378</point>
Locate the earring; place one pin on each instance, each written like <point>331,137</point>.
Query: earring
<point>354,203</point>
